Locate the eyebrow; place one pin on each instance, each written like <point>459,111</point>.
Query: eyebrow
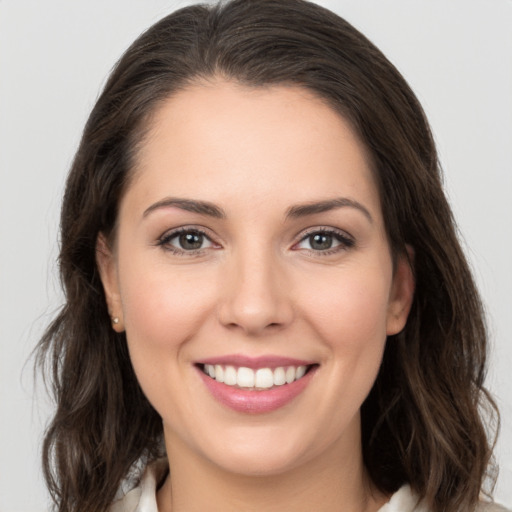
<point>190,205</point>
<point>303,210</point>
<point>300,210</point>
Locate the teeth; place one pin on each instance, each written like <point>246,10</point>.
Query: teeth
<point>218,372</point>
<point>245,377</point>
<point>230,376</point>
<point>279,376</point>
<point>263,378</point>
<point>301,371</point>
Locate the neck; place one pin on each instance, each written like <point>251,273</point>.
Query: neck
<point>322,484</point>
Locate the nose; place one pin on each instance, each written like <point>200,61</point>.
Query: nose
<point>256,295</point>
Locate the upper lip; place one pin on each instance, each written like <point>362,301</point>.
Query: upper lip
<point>265,361</point>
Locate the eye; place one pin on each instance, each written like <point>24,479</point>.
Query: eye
<point>325,241</point>
<point>185,240</point>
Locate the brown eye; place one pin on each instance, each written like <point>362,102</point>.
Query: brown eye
<point>191,240</point>
<point>325,241</point>
<point>320,241</point>
<point>185,240</point>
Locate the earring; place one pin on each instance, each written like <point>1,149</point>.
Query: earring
<point>115,320</point>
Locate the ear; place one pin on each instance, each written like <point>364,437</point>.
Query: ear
<point>107,266</point>
<point>402,293</point>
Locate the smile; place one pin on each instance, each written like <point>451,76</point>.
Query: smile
<point>260,379</point>
<point>255,385</point>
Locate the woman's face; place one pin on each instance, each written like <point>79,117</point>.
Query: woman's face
<point>251,248</point>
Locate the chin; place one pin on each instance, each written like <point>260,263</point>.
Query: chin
<point>259,463</point>
<point>264,451</point>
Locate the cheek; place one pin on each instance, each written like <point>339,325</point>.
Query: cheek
<point>349,311</point>
<point>162,306</point>
<point>163,309</point>
<point>346,312</point>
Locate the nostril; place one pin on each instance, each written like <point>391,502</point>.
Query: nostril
<point>254,310</point>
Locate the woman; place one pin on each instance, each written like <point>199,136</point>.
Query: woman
<point>266,303</point>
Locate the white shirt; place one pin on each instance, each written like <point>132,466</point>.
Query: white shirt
<point>143,497</point>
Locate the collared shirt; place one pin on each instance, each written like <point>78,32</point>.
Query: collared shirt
<point>143,497</point>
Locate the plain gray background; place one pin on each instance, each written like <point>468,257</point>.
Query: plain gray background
<point>54,57</point>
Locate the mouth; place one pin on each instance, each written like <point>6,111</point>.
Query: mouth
<point>255,386</point>
<point>259,379</point>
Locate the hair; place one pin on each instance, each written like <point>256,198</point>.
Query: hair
<point>423,422</point>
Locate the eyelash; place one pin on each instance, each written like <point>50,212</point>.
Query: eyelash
<point>165,240</point>
<point>345,241</point>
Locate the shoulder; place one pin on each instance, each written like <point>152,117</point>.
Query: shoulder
<point>490,506</point>
<point>142,498</point>
<point>404,500</point>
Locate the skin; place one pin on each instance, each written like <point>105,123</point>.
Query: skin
<point>257,286</point>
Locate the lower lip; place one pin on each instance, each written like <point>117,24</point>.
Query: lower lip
<point>252,401</point>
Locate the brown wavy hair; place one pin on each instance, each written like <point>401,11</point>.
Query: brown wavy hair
<point>423,422</point>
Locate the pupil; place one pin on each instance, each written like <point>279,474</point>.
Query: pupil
<point>321,241</point>
<point>191,241</point>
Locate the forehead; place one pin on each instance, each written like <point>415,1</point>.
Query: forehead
<point>223,139</point>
